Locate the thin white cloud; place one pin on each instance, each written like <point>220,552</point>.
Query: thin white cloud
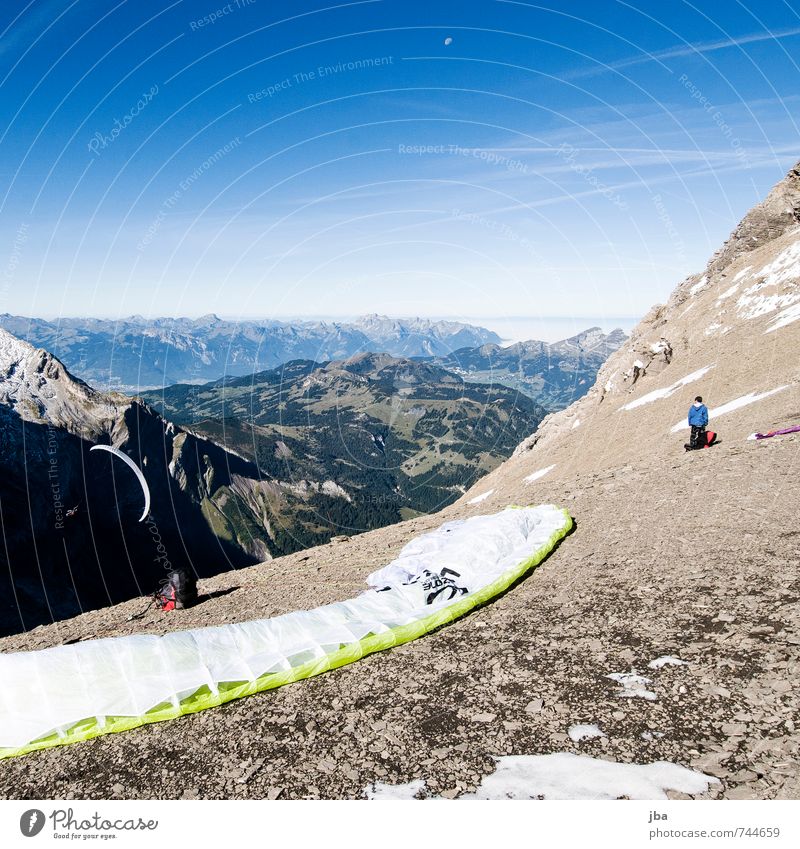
<point>684,50</point>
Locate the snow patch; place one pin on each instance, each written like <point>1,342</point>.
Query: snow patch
<point>658,394</point>
<point>701,284</point>
<point>785,266</point>
<point>736,404</point>
<point>784,317</point>
<point>666,660</point>
<point>563,775</point>
<point>727,293</point>
<point>633,685</point>
<point>741,274</point>
<point>576,423</point>
<point>479,498</point>
<point>395,791</point>
<point>539,474</point>
<point>751,305</point>
<point>583,732</point>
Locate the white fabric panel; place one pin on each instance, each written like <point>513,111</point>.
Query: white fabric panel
<point>50,690</point>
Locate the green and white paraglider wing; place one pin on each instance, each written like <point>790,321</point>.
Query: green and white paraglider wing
<point>75,692</point>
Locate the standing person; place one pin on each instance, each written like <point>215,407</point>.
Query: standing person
<point>698,419</point>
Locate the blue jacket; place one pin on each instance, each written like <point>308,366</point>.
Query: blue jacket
<point>698,416</point>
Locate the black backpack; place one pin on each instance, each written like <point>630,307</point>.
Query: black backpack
<point>178,590</point>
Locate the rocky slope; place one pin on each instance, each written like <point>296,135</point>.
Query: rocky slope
<point>554,374</point>
<point>135,353</point>
<point>688,555</point>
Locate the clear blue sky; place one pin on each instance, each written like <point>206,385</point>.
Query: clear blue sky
<point>412,158</point>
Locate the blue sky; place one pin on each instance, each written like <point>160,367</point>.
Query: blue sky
<point>481,159</point>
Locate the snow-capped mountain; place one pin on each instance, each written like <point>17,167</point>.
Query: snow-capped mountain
<point>137,353</point>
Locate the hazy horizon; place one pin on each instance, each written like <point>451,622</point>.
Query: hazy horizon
<point>510,329</point>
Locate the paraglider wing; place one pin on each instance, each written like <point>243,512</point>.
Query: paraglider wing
<point>137,471</point>
<point>50,697</point>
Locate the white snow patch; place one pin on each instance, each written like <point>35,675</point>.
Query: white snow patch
<point>784,317</point>
<point>751,398</point>
<point>741,274</point>
<point>638,364</point>
<point>563,775</point>
<point>727,293</point>
<point>687,310</point>
<point>583,732</point>
<point>633,685</point>
<point>751,305</point>
<point>701,284</point>
<point>479,498</point>
<point>609,385</point>
<point>714,327</point>
<point>658,394</point>
<point>395,791</point>
<point>576,423</point>
<point>539,474</point>
<point>666,660</point>
<point>785,266</point>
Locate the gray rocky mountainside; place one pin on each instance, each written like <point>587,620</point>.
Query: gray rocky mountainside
<point>693,556</point>
<point>136,353</point>
<point>554,374</point>
<point>72,539</point>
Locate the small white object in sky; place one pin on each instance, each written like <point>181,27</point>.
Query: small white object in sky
<point>448,41</point>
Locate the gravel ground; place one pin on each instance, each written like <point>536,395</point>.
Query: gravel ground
<point>657,566</point>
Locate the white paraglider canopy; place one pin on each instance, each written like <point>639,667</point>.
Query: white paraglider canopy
<point>137,471</point>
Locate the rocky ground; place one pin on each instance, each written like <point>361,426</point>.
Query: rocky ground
<point>695,556</point>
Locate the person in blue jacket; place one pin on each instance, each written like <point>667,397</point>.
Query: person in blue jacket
<point>698,419</point>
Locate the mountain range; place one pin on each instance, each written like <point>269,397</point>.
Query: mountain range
<point>555,374</point>
<point>135,353</point>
